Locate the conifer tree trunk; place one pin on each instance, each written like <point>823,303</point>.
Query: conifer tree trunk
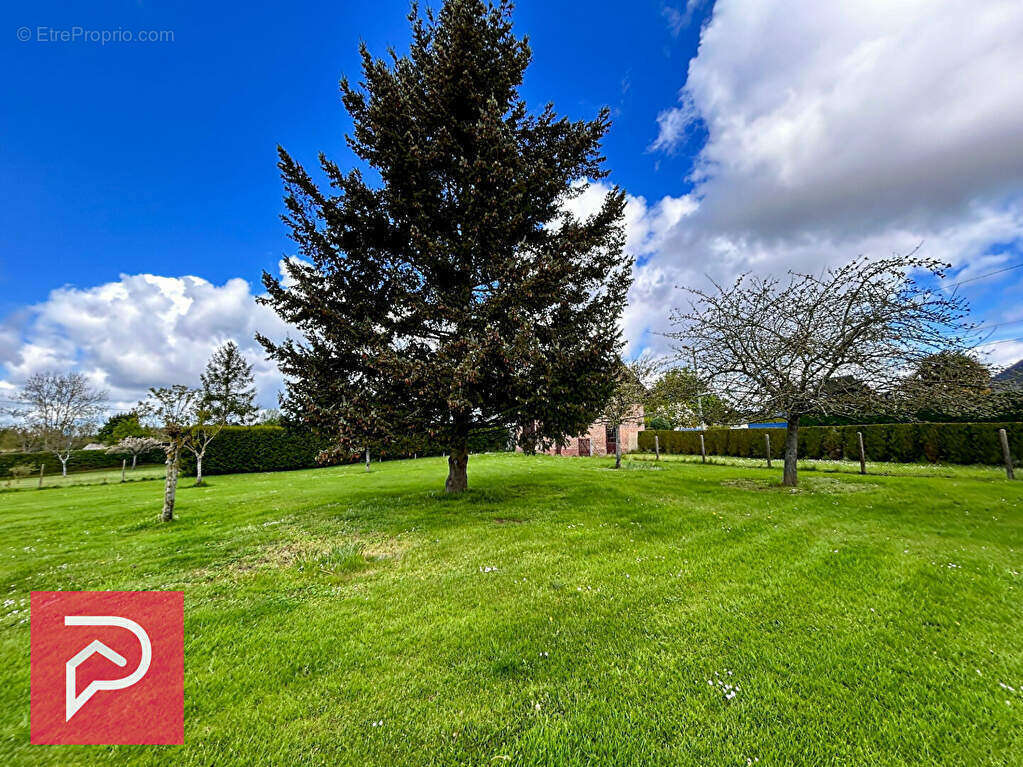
<point>790,475</point>
<point>458,479</point>
<point>458,459</point>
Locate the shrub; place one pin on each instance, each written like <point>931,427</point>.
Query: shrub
<point>962,443</point>
<point>19,471</point>
<point>660,423</point>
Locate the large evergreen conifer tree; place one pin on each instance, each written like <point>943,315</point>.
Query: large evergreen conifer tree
<point>458,295</point>
<point>229,391</point>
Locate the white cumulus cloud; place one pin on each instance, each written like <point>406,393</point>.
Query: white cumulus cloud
<point>142,330</point>
<point>834,129</point>
<point>840,129</point>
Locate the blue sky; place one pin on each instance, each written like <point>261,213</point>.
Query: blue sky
<point>141,197</point>
<point>160,157</point>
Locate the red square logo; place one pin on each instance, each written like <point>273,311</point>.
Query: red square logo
<point>107,667</point>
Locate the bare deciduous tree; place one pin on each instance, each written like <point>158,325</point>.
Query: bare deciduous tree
<point>625,405</point>
<point>60,409</point>
<point>135,446</point>
<point>171,410</point>
<point>774,347</point>
<point>18,425</point>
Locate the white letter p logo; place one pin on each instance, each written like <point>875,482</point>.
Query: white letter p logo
<point>74,702</point>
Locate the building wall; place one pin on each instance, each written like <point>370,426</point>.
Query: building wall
<point>629,432</point>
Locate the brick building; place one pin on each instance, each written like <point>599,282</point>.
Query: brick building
<point>599,440</point>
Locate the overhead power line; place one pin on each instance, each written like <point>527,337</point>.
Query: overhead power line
<point>986,275</point>
<point>1000,341</point>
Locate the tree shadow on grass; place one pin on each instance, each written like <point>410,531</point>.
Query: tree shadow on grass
<point>807,485</point>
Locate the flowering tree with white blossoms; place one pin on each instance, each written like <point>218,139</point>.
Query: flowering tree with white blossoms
<point>134,446</point>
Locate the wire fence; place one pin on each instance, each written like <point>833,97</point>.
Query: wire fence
<point>873,468</point>
<point>99,477</point>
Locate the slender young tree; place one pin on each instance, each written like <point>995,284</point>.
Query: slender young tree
<point>228,387</point>
<point>627,399</point>
<point>171,410</point>
<point>207,426</point>
<point>134,446</point>
<point>843,341</point>
<point>61,409</point>
<point>459,296</point>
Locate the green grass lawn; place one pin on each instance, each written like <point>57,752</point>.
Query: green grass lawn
<point>95,477</point>
<point>558,613</point>
<point>976,471</point>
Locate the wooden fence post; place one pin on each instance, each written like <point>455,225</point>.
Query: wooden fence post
<point>124,466</point>
<point>42,467</point>
<point>1004,438</point>
<point>657,448</point>
<point>863,453</point>
<point>703,450</point>
<point>767,447</point>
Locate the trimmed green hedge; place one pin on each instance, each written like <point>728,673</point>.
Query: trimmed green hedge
<point>247,449</point>
<point>235,450</point>
<point>81,460</point>
<point>964,443</point>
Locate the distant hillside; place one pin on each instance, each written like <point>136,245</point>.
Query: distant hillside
<point>1011,375</point>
